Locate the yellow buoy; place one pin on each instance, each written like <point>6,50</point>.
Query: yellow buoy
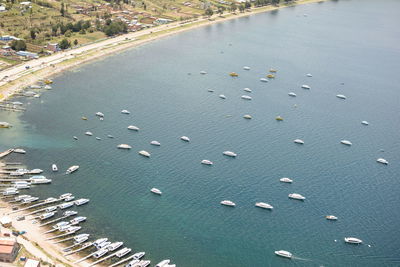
<point>48,81</point>
<point>84,118</point>
<point>272,70</point>
<point>233,74</point>
<point>279,118</point>
<point>271,76</point>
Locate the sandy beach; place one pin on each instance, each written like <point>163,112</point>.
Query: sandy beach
<point>18,77</point>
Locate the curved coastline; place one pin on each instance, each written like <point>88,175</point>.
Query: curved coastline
<point>62,61</point>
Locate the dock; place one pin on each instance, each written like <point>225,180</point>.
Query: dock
<point>122,261</point>
<point>34,206</point>
<point>62,235</point>
<point>5,153</point>
<point>84,258</point>
<point>64,240</point>
<point>52,221</point>
<point>85,246</point>
<point>103,259</point>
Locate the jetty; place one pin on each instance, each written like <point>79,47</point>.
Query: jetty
<point>122,261</point>
<point>62,235</point>
<point>84,246</point>
<point>5,153</point>
<point>55,220</point>
<point>103,259</point>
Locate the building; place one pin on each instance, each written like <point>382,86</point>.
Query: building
<point>3,9</point>
<point>8,249</point>
<point>27,54</point>
<point>8,38</point>
<point>32,263</point>
<point>53,47</point>
<point>6,221</point>
<point>162,21</point>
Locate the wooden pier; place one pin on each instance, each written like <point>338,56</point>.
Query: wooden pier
<point>62,235</point>
<point>103,259</point>
<point>55,220</point>
<point>122,261</point>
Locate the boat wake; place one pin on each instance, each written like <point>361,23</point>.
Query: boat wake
<point>301,259</point>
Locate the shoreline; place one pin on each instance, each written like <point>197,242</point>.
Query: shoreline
<point>46,67</point>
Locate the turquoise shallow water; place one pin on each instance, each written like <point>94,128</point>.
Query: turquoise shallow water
<point>350,42</point>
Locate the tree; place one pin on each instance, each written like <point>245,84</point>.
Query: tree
<point>75,42</point>
<point>64,44</point>
<point>62,10</point>
<point>33,34</point>
<point>241,8</point>
<point>18,45</point>
<point>209,12</point>
<point>86,25</point>
<point>247,5</point>
<point>233,7</point>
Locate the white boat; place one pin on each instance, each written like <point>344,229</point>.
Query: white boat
<point>156,191</point>
<point>104,245</point>
<point>81,201</point>
<point>69,213</point>
<point>138,255</point>
<point>246,97</point>
<point>16,103</point>
<point>352,240</point>
<point>305,86</point>
<point>99,114</point>
<point>98,138</point>
<point>286,180</point>
<point>25,185</point>
<point>133,263</point>
<point>17,173</point>
<point>19,151</point>
<point>210,90</point>
<point>155,143</point>
<point>365,123</point>
<point>143,263</point>
<point>72,169</point>
<point>248,117</point>
<point>346,142</point>
<point>222,96</point>
<point>35,171</point>
<point>99,241</point>
<point>114,246</point>
<point>299,141</point>
<point>203,72</point>
<point>36,95</point>
<point>69,198</point>
<point>247,90</point>
<point>47,87</point>
<point>331,217</point>
<point>29,200</point>
<point>110,136</point>
<point>264,205</point>
<point>39,180</point>
<point>10,192</point>
<point>89,133</point>
<point>206,162</point>
<point>133,128</point>
<point>47,215</point>
<point>60,225</point>
<point>50,209</point>
<point>229,154</point>
<point>66,205</point>
<point>284,253</point>
<point>66,195</point>
<point>124,111</point>
<point>163,263</point>
<point>73,229</point>
<point>383,161</point>
<point>341,96</point>
<point>79,239</point>
<point>122,252</point>
<point>309,75</point>
<point>50,200</point>
<point>124,146</point>
<point>265,80</point>
<point>246,68</point>
<point>185,138</point>
<point>101,252</point>
<point>54,168</point>
<point>144,153</point>
<point>296,196</point>
<point>76,138</point>
<point>292,94</point>
<point>228,203</point>
<point>77,220</point>
<point>22,197</point>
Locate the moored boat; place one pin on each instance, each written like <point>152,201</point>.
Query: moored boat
<point>133,128</point>
<point>156,191</point>
<point>341,96</point>
<point>144,153</point>
<point>247,116</point>
<point>124,111</point>
<point>264,205</point>
<point>72,169</point>
<point>122,252</point>
<point>81,201</point>
<point>286,180</point>
<point>229,154</point>
<point>155,143</point>
<point>331,217</point>
<point>346,142</point>
<point>206,162</point>
<point>54,168</point>
<point>292,94</point>
<point>88,133</point>
<point>185,138</point>
<point>246,97</point>
<point>124,146</point>
<point>305,86</point>
<point>352,240</point>
<point>383,161</point>
<point>299,141</point>
<point>222,96</point>
<point>265,80</point>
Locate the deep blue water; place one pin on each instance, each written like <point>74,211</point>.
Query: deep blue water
<point>351,42</point>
